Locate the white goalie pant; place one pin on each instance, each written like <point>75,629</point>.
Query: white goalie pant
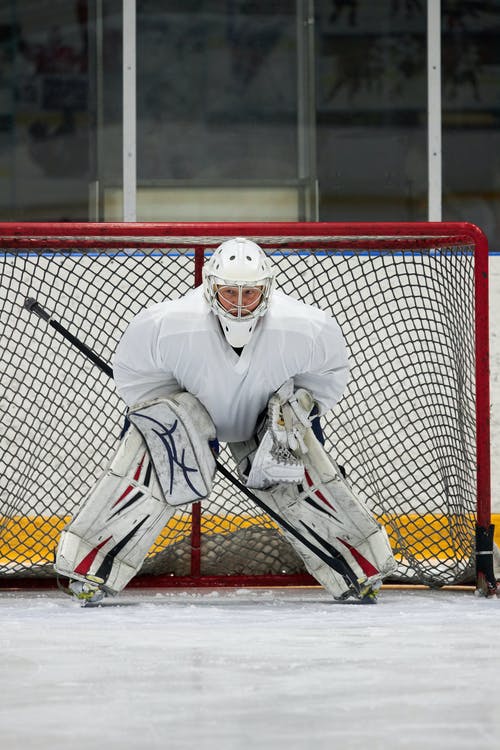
<point>163,461</point>
<point>343,546</point>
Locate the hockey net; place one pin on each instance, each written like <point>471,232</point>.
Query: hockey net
<point>411,431</point>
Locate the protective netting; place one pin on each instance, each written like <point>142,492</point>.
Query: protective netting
<point>405,430</point>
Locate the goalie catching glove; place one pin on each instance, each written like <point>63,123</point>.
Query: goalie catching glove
<point>278,457</point>
<point>289,416</point>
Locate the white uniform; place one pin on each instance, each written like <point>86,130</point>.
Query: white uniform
<point>178,344</point>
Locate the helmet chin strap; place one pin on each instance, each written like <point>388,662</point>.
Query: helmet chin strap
<point>239,331</point>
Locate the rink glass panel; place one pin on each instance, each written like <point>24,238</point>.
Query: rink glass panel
<point>405,431</point>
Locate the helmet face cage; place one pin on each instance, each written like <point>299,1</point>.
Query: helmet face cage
<point>236,307</point>
<point>238,264</point>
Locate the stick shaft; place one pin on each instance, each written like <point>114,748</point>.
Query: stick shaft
<point>337,562</point>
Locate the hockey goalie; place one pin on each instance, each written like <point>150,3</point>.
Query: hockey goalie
<point>235,361</point>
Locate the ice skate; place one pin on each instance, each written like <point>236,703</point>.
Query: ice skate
<point>88,594</point>
<point>369,594</point>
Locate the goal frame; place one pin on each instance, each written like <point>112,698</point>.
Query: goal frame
<point>82,235</point>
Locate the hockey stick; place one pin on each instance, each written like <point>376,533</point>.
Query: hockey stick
<point>33,306</point>
<point>331,557</point>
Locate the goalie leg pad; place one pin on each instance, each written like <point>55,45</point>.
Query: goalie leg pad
<point>340,542</point>
<point>118,522</point>
<point>177,431</point>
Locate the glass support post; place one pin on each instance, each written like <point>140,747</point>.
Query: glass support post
<point>306,113</point>
<point>129,112</point>
<point>434,118</point>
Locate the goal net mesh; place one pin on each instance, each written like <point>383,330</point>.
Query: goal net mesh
<point>404,432</point>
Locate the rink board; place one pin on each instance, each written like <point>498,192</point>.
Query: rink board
<point>424,533</point>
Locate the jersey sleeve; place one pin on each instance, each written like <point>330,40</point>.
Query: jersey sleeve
<point>328,371</point>
<point>138,372</point>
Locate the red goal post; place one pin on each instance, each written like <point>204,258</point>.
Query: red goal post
<point>412,430</point>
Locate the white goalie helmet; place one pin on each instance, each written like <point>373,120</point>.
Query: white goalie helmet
<point>238,280</point>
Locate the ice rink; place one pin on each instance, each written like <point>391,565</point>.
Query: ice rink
<point>242,669</point>
<point>282,669</point>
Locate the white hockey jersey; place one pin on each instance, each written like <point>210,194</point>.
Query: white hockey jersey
<point>179,345</point>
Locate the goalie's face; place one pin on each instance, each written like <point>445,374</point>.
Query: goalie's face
<point>240,301</point>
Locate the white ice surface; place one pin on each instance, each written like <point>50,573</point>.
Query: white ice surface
<point>246,669</point>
